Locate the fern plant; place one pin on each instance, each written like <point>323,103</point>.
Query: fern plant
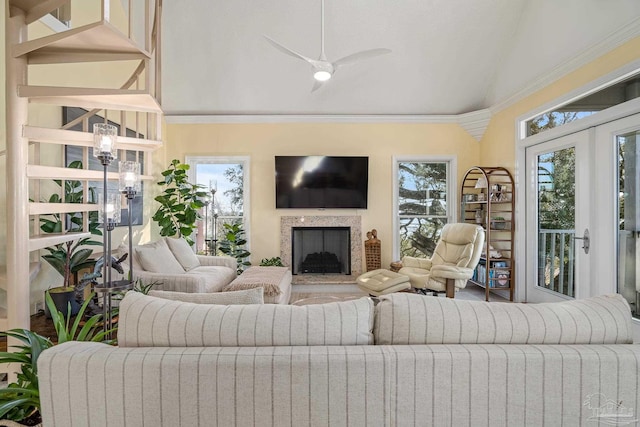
<point>179,203</point>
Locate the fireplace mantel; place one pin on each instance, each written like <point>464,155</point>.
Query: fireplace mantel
<point>353,222</point>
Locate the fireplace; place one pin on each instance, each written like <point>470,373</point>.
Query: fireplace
<point>353,223</point>
<point>321,250</point>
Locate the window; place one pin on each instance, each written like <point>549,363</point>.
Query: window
<point>228,179</point>
<point>425,190</point>
<point>603,98</point>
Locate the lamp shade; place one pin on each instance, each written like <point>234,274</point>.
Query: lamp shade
<point>481,182</point>
<point>104,140</point>
<point>113,208</point>
<point>129,173</point>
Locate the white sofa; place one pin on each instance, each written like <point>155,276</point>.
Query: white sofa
<point>173,266</point>
<point>410,360</point>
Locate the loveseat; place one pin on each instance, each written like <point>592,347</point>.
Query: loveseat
<point>409,360</point>
<point>173,266</point>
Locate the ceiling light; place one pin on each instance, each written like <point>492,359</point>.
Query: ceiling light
<point>321,75</point>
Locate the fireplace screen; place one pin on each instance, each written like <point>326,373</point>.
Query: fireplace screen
<point>321,250</point>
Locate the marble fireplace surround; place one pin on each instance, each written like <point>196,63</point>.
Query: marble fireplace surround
<point>354,222</point>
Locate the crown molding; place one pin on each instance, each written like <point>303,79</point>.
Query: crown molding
<point>307,118</point>
<point>475,122</point>
<point>614,40</point>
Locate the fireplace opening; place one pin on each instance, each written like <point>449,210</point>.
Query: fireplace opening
<point>321,250</point>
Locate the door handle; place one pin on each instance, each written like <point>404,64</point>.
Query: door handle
<point>585,240</point>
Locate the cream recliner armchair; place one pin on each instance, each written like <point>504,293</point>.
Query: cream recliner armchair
<point>453,261</point>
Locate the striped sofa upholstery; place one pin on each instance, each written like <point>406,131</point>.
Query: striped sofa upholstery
<point>435,384</point>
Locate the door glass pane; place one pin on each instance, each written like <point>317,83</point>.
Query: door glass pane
<point>556,221</point>
<point>629,219</point>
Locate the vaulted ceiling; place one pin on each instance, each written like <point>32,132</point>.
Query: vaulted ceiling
<point>448,56</point>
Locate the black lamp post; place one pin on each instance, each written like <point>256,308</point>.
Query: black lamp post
<point>129,174</point>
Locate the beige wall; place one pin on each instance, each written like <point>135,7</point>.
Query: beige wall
<point>498,143</point>
<point>264,141</point>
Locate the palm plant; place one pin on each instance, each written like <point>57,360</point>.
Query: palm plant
<point>68,258</point>
<point>20,401</point>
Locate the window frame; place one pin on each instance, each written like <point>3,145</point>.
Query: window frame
<point>452,191</point>
<point>193,161</point>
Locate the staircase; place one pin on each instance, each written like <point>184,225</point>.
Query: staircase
<point>135,105</point>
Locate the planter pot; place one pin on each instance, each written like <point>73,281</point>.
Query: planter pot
<point>62,297</point>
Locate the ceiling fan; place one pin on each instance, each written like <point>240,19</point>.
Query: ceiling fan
<point>323,70</point>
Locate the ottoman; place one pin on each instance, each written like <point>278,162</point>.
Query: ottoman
<point>381,282</point>
<point>276,282</point>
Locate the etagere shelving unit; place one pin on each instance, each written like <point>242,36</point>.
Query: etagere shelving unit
<point>487,198</point>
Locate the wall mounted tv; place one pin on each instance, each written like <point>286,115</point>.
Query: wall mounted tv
<point>322,182</point>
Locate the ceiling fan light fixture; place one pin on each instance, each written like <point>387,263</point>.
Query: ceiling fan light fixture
<point>322,75</point>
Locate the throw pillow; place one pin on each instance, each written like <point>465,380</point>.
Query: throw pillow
<point>157,258</point>
<point>183,253</point>
<point>146,321</point>
<point>249,296</point>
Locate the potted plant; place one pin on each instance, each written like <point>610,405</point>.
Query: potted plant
<point>233,244</point>
<point>20,401</point>
<point>274,262</point>
<point>69,258</point>
<point>179,202</point>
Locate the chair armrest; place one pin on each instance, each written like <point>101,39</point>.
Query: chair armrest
<point>172,282</point>
<point>424,263</point>
<point>224,261</point>
<point>451,272</point>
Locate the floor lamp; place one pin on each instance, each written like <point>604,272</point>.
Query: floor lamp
<point>129,179</point>
<point>206,200</point>
<point>104,148</point>
<point>214,217</point>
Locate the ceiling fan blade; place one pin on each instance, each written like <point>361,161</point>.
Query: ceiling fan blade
<point>359,56</point>
<point>288,51</point>
<point>316,85</point>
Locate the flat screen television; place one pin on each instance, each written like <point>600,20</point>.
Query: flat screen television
<point>322,182</point>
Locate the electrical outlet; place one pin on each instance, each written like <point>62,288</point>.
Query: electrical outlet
<point>38,306</point>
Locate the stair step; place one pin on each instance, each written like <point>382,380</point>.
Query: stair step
<point>51,239</point>
<point>36,9</point>
<point>111,99</point>
<point>85,139</point>
<point>52,172</point>
<point>98,41</point>
<point>60,208</point>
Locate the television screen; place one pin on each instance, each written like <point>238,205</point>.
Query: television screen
<point>321,182</point>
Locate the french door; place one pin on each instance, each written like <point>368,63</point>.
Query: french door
<point>583,214</point>
<point>558,199</point>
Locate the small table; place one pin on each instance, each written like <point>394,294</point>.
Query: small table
<point>107,292</point>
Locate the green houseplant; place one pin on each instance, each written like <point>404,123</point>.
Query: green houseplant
<point>20,401</point>
<point>233,244</point>
<point>70,257</point>
<point>179,202</point>
<point>273,262</point>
